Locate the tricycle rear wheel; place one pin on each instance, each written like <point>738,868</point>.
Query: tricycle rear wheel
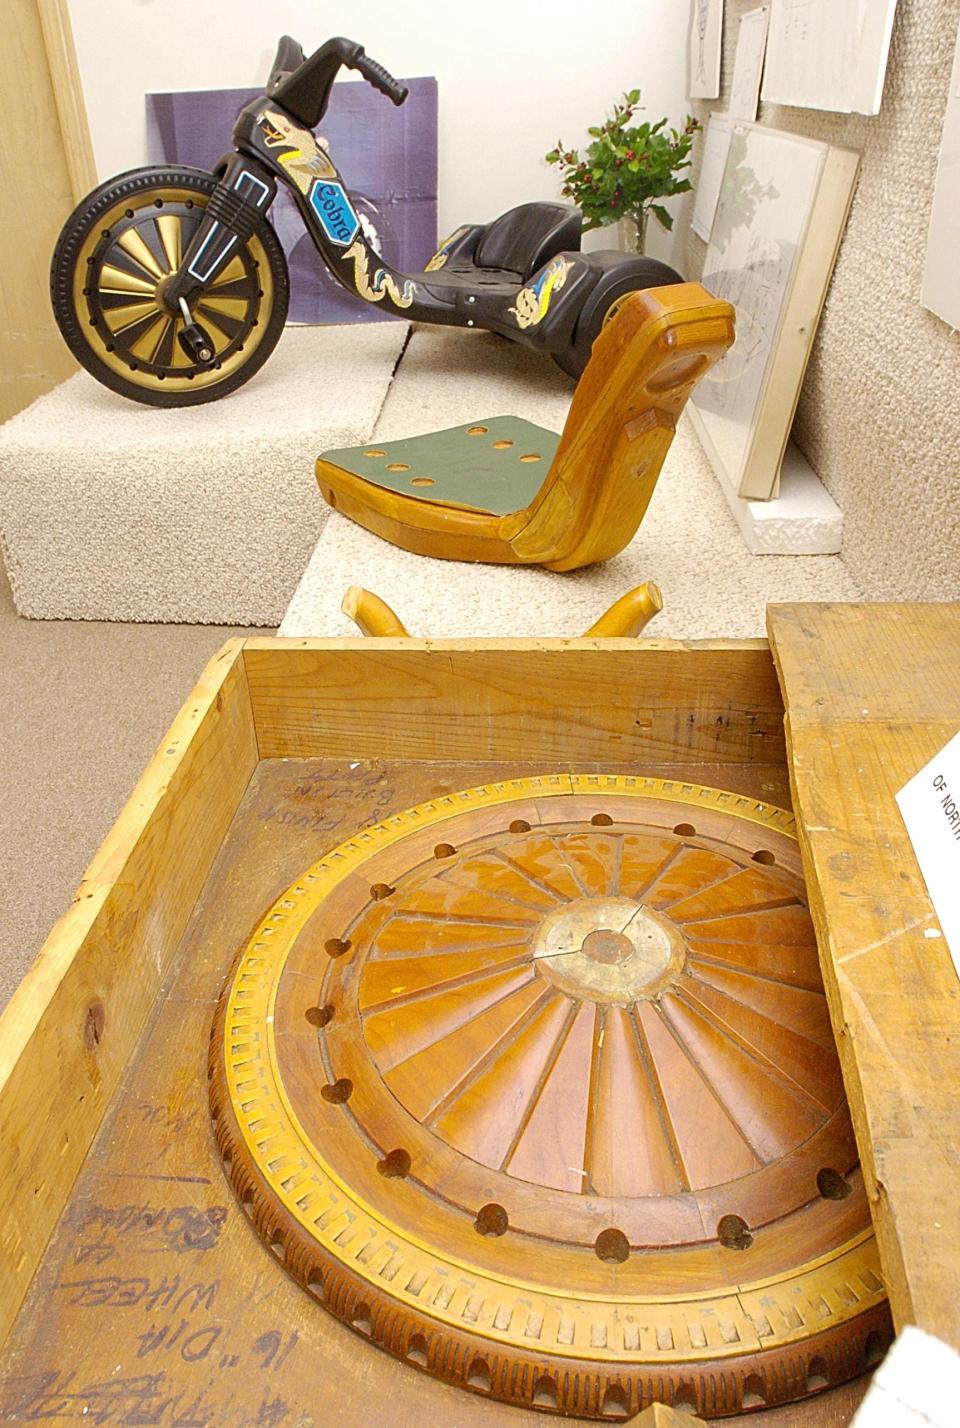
<point>602,304</point>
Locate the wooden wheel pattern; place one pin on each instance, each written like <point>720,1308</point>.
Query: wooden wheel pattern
<point>535,1086</point>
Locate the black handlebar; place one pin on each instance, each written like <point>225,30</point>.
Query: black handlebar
<point>305,92</point>
<point>381,78</point>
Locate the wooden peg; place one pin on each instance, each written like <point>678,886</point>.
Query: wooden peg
<point>372,615</point>
<point>628,615</point>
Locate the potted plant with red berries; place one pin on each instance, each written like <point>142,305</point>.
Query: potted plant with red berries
<point>626,169</point>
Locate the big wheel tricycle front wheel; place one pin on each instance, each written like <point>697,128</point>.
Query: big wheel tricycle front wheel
<point>116,253</point>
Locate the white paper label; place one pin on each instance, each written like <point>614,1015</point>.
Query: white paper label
<point>930,807</point>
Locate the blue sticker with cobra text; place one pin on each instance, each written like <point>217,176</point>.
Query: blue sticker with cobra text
<point>330,203</point>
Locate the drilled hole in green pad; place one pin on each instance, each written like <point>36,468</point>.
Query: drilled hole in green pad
<point>465,470</point>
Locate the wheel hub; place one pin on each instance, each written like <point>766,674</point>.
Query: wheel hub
<point>613,950</point>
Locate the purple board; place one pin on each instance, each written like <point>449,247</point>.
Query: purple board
<point>388,159</point>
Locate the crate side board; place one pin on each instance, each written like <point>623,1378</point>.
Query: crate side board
<point>600,700</point>
<point>855,735</point>
<point>69,1030</point>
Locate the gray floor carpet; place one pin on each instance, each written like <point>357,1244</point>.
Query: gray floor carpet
<point>82,708</point>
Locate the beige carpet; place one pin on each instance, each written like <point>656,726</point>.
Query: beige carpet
<point>112,510</point>
<point>82,708</point>
<point>688,542</point>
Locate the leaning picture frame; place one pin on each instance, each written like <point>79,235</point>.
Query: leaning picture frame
<point>704,48</point>
<point>774,239</point>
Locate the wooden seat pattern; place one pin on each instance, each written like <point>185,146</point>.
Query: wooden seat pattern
<point>484,492</point>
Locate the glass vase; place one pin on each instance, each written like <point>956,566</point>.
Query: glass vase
<point>633,232</point>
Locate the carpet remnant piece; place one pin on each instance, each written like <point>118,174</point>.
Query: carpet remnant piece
<point>111,510</point>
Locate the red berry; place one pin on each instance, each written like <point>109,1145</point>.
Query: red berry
<point>631,154</point>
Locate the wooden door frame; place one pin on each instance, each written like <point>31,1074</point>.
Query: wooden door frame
<point>68,95</point>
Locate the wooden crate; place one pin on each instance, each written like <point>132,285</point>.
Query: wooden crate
<point>282,749</point>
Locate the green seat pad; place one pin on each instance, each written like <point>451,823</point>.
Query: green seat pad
<point>496,465</point>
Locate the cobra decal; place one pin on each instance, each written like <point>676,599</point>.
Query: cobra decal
<point>383,284</point>
<point>534,301</point>
<point>332,206</point>
<point>443,252</point>
<point>305,159</point>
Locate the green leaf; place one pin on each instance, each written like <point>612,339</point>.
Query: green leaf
<point>553,157</point>
<point>662,214</point>
<point>595,131</point>
<point>633,97</point>
<point>634,166</point>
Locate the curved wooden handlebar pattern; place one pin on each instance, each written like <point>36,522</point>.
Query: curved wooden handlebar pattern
<point>628,615</point>
<point>625,617</point>
<point>645,363</point>
<point>372,615</point>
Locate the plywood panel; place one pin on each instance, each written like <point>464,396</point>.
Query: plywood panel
<point>68,95</point>
<point>872,693</point>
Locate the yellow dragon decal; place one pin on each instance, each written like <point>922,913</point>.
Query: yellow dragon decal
<point>305,159</point>
<point>533,302</point>
<point>383,283</point>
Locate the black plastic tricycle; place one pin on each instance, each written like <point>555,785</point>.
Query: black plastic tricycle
<point>170,285</point>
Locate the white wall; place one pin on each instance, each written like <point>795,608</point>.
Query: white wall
<point>512,77</point>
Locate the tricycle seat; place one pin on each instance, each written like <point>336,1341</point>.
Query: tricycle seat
<point>511,248</point>
<point>524,238</point>
<point>504,491</point>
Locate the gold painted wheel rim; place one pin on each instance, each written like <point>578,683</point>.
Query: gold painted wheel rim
<point>594,1326</point>
<point>120,271</point>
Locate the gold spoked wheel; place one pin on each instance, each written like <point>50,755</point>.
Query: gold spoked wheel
<point>116,254</point>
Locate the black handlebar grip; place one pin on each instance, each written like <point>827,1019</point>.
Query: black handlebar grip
<point>381,79</point>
